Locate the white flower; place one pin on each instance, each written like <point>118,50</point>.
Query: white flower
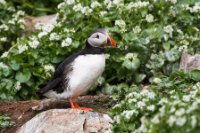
<point>20,13</point>
<point>106,2</point>
<point>180,31</point>
<point>185,42</point>
<point>142,128</point>
<point>34,43</point>
<point>195,8</point>
<point>120,23</point>
<point>171,120</point>
<point>155,119</point>
<point>151,107</point>
<point>61,5</point>
<point>5,54</point>
<point>38,26</point>
<point>2,65</point>
<point>21,21</point>
<point>186,98</point>
<point>109,4</point>
<point>193,121</point>
<point>3,39</point>
<point>12,21</point>
<point>116,2</point>
<point>141,104</point>
<point>156,80</point>
<point>151,95</point>
<point>136,29</point>
<point>41,34</point>
<point>162,110</point>
<point>180,121</point>
<point>132,100</point>
<point>86,10</point>
<point>2,2</point>
<point>66,42</point>
<point>70,2</point>
<point>149,18</point>
<point>54,36</point>
<point>129,56</point>
<point>172,110</point>
<point>193,107</point>
<point>77,7</point>
<point>138,4</point>
<point>144,92</point>
<point>103,13</point>
<point>168,29</point>
<point>180,112</point>
<point>95,4</point>
<point>117,119</point>
<point>4,27</point>
<point>49,68</point>
<point>22,48</point>
<point>128,113</point>
<point>17,85</point>
<point>47,27</point>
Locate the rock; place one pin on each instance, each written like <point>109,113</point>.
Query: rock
<point>190,62</point>
<point>67,121</point>
<point>31,22</point>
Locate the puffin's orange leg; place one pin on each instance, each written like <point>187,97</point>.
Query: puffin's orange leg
<point>71,102</point>
<point>75,105</point>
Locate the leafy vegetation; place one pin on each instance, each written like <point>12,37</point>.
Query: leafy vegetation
<point>5,121</point>
<point>168,104</point>
<point>142,74</point>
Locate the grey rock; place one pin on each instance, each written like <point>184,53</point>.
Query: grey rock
<point>189,62</point>
<point>67,121</point>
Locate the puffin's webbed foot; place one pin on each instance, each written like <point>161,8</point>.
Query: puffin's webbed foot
<point>75,105</point>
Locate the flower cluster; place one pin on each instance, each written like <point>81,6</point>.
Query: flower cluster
<point>175,109</point>
<point>9,28</point>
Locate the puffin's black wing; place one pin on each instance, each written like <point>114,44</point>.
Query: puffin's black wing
<point>62,69</point>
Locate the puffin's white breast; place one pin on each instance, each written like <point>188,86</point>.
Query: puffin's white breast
<point>86,70</point>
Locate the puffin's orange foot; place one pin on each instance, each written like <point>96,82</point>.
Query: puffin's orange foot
<point>75,105</point>
<point>84,108</point>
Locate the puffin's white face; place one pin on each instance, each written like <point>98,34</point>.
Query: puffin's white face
<point>101,40</point>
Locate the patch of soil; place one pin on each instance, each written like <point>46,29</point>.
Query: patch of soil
<point>22,111</point>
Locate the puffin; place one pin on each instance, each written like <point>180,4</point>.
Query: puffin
<point>79,71</point>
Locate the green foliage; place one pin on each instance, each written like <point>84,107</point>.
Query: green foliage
<point>35,7</point>
<point>5,121</point>
<point>168,104</point>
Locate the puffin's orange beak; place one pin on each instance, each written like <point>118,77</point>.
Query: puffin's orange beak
<point>112,42</point>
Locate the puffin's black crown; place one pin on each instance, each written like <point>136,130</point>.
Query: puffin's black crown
<point>98,30</point>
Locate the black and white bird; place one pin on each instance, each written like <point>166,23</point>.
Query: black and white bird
<point>78,72</point>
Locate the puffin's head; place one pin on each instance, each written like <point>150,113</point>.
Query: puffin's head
<point>100,38</point>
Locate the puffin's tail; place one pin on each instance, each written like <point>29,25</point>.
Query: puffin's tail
<point>49,86</point>
<point>39,91</point>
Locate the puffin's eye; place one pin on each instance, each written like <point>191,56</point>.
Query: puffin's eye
<point>97,36</point>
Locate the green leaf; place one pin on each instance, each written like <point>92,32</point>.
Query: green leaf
<point>132,65</point>
<point>195,75</point>
<point>14,65</point>
<point>23,76</point>
<point>139,77</point>
<point>172,55</point>
<point>6,71</point>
